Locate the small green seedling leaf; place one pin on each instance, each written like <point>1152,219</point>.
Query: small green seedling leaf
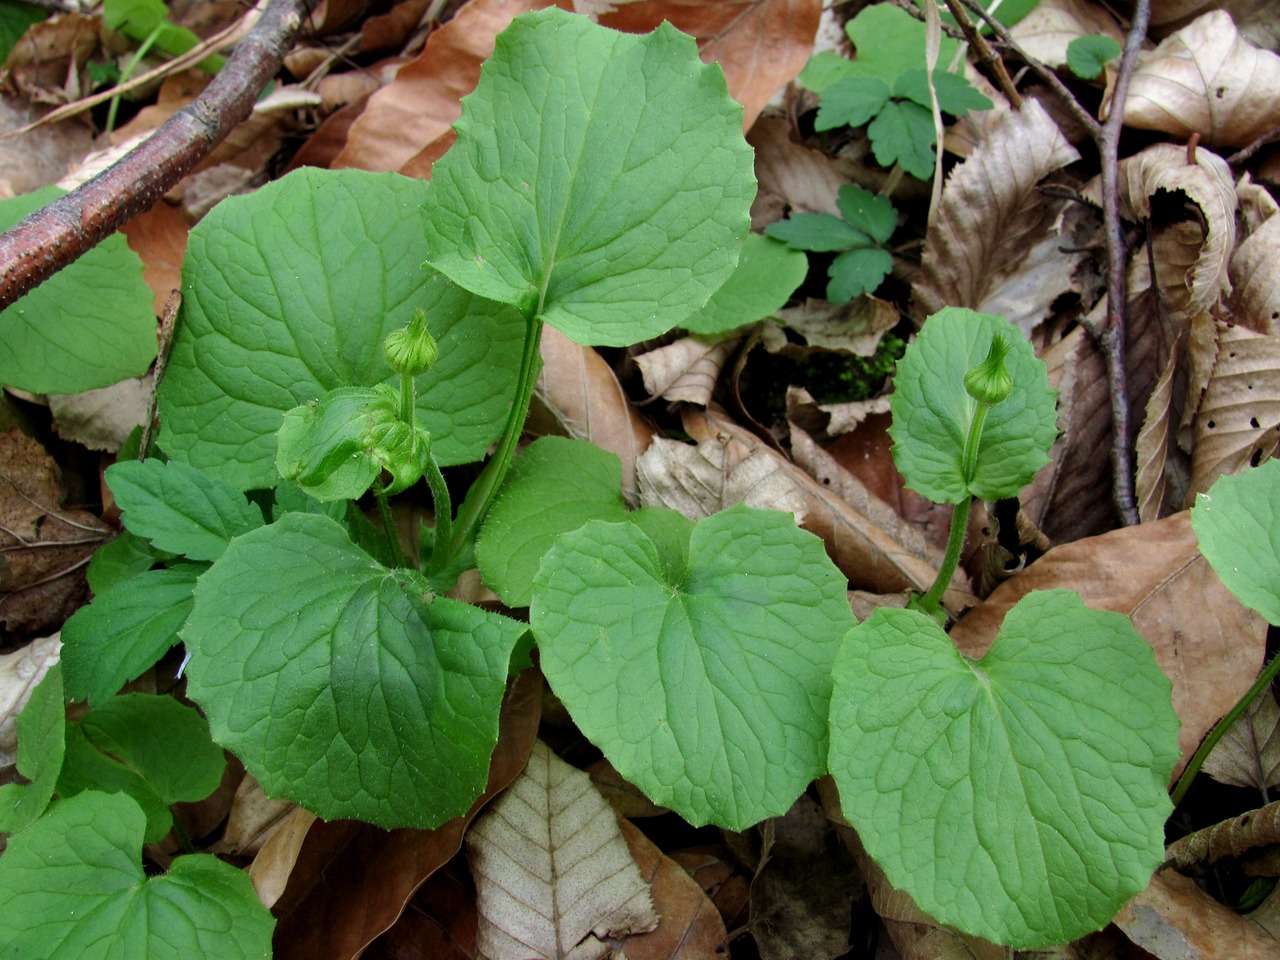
<point>41,747</point>
<point>334,448</point>
<point>768,272</point>
<point>91,325</point>
<point>622,204</point>
<point>856,272</point>
<point>851,102</point>
<point>142,20</point>
<point>1238,525</point>
<point>819,232</point>
<point>705,686</point>
<point>867,211</point>
<point>180,509</point>
<point>888,41</point>
<point>903,133</point>
<point>72,887</point>
<point>932,410</point>
<point>1087,56</point>
<point>125,630</point>
<point>153,748</point>
<point>1009,796</point>
<point>342,684</point>
<point>289,292</point>
<point>956,95</point>
<point>555,486</point>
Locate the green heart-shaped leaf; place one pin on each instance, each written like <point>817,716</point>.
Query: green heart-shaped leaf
<point>1021,797</point>
<point>600,180</point>
<point>706,685</point>
<point>343,685</point>
<point>1238,525</point>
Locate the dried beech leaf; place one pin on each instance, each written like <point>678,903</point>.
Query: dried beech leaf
<point>1162,475</point>
<point>1047,30</point>
<point>991,214</point>
<point>584,399</point>
<point>102,419</point>
<point>686,370</point>
<point>1237,417</point>
<point>791,175</point>
<point>272,867</point>
<point>253,818</point>
<point>1209,645</point>
<point>1256,299</point>
<point>1209,80</point>
<point>690,927</point>
<point>1191,256</point>
<point>554,876</point>
<point>854,327</point>
<point>1174,919</point>
<point>713,476</point>
<point>1249,754</point>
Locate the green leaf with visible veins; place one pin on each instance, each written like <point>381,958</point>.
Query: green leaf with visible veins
<point>1021,797</point>
<point>706,685</point>
<point>955,94</point>
<point>819,232</point>
<point>344,685</point>
<point>125,630</point>
<point>1086,56</point>
<point>121,559</point>
<point>180,509</point>
<point>621,205</point>
<point>90,325</point>
<point>903,133</point>
<point>932,411</point>
<point>858,271</point>
<point>768,272</point>
<point>1238,525</point>
<point>851,102</point>
<point>868,211</point>
<point>72,887</point>
<point>554,486</point>
<point>41,747</point>
<point>289,291</point>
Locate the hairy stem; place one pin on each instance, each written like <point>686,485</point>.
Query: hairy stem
<point>388,526</point>
<point>444,516</point>
<point>931,602</point>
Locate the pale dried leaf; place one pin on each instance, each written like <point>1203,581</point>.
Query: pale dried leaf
<point>1227,840</point>
<point>1047,30</point>
<point>421,105</point>
<point>20,673</point>
<point>826,420</point>
<point>1191,255</point>
<point>1173,919</point>
<point>854,327</point>
<point>690,927</point>
<point>1162,475</point>
<point>1206,79</point>
<point>253,818</point>
<point>1249,754</point>
<point>686,370</point>
<point>991,214</point>
<point>102,419</point>
<point>1209,645</point>
<point>272,867</point>
<point>583,399</point>
<point>1256,204</point>
<point>713,476</point>
<point>1255,302</point>
<point>791,175</point>
<point>553,873</point>
<point>1237,418</point>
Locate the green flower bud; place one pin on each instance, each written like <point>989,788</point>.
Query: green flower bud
<point>411,350</point>
<point>989,382</point>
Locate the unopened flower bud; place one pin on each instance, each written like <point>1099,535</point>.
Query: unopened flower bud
<point>989,382</point>
<point>411,350</point>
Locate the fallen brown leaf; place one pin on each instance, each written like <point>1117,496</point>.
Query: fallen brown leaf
<point>102,419</point>
<point>20,673</point>
<point>1249,754</point>
<point>1047,30</point>
<point>791,175</point>
<point>1173,919</point>
<point>686,370</point>
<point>1207,643</point>
<point>1255,301</point>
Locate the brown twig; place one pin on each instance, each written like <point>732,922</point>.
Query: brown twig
<point>985,54</point>
<point>1112,340</point>
<point>1244,153</point>
<point>64,230</point>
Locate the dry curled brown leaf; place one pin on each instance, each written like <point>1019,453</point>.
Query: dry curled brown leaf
<point>1173,919</point>
<point>686,370</point>
<point>1255,301</point>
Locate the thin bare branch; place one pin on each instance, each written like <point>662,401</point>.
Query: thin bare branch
<point>63,231</point>
<point>986,55</point>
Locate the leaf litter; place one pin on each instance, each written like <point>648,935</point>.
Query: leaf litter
<point>1010,237</point>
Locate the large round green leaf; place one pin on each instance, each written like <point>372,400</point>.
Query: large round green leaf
<point>932,411</point>
<point>706,685</point>
<point>339,683</point>
<point>1021,797</point>
<point>600,180</point>
<point>289,292</point>
<point>1238,525</point>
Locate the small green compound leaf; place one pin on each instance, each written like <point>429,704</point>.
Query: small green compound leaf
<point>1238,525</point>
<point>955,94</point>
<point>1086,56</point>
<point>72,888</point>
<point>1021,797</point>
<point>91,325</point>
<point>180,509</point>
<point>289,292</point>
<point>41,747</point>
<point>620,207</point>
<point>555,486</point>
<point>932,411</point>
<point>768,272</point>
<point>851,102</point>
<point>339,684</point>
<point>903,133</point>
<point>867,211</point>
<point>820,232</point>
<point>856,272</point>
<point>125,630</point>
<point>708,690</point>
<point>889,41</point>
